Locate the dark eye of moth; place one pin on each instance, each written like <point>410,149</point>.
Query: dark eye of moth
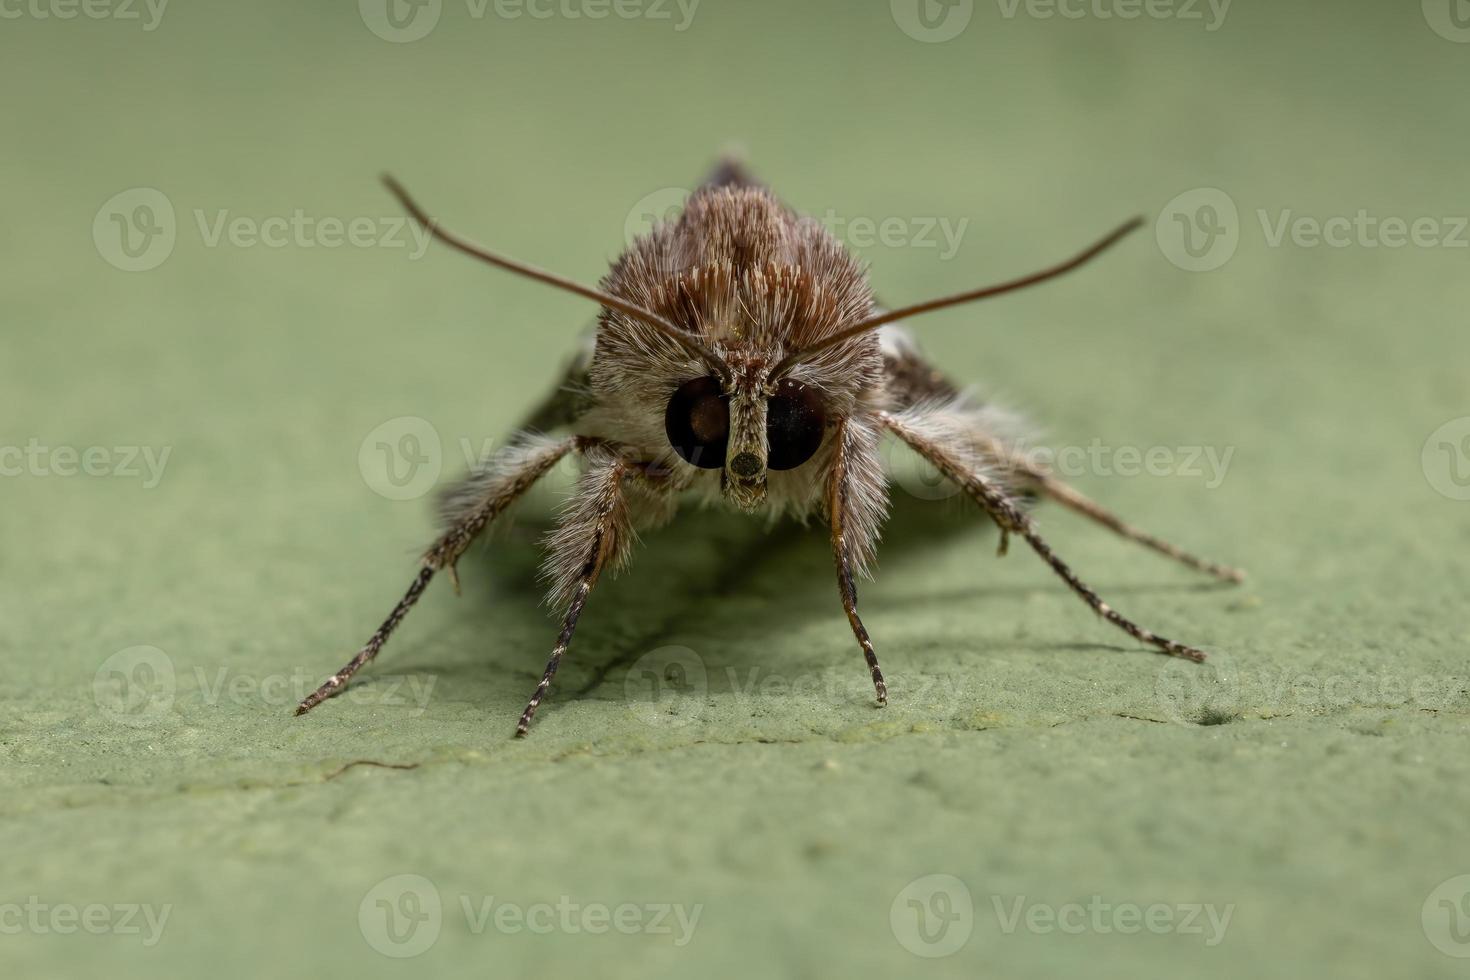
<point>794,425</point>
<point>697,423</point>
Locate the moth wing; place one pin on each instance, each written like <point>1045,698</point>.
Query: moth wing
<point>572,396</point>
<point>993,436</point>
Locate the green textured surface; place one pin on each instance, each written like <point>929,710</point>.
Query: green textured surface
<point>1314,782</point>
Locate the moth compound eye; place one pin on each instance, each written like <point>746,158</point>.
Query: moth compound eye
<point>697,422</point>
<point>794,425</point>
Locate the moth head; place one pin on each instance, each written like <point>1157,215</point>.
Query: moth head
<point>697,312</point>
<point>745,429</point>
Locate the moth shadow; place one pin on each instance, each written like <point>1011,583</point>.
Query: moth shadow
<point>727,584</point>
<point>696,578</point>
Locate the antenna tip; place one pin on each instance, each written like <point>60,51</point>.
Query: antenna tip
<point>401,193</point>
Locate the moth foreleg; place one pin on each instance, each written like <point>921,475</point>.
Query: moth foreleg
<point>468,510</point>
<point>856,501</point>
<point>595,532</point>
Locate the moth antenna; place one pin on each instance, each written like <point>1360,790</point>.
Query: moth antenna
<point>891,316</point>
<point>468,247</point>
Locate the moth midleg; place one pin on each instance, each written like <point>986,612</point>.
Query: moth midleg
<point>1006,512</point>
<point>912,381</point>
<point>471,507</point>
<point>1075,501</point>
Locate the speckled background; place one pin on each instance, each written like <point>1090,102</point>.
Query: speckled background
<point>711,791</point>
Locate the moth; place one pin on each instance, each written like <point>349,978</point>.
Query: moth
<point>740,358</point>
